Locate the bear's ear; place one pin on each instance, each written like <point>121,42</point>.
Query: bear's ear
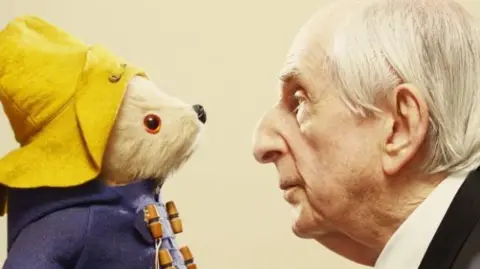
<point>100,99</point>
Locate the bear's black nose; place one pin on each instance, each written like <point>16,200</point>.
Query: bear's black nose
<point>201,114</point>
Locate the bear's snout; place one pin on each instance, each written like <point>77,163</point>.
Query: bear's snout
<point>201,114</point>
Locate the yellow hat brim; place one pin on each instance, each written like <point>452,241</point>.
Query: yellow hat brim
<point>56,157</point>
<point>48,160</point>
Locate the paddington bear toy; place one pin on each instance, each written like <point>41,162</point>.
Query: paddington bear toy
<point>97,141</point>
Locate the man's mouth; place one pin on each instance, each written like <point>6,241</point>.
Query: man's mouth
<point>285,185</point>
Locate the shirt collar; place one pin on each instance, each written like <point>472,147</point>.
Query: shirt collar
<point>407,246</point>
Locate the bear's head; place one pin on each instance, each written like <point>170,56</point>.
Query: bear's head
<point>154,134</point>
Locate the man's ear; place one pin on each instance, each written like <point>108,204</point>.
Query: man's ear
<point>407,126</point>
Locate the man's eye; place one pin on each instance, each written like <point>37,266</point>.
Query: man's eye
<point>300,100</point>
<point>300,96</point>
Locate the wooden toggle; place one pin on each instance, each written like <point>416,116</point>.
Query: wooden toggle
<point>156,230</point>
<point>188,257</point>
<point>173,216</point>
<point>153,221</point>
<point>165,259</point>
<point>151,212</point>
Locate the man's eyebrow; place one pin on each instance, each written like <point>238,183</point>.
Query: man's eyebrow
<point>289,75</point>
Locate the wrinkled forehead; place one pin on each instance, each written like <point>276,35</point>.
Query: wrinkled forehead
<point>310,47</point>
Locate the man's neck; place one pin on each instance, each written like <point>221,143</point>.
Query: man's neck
<point>399,198</point>
<point>346,247</point>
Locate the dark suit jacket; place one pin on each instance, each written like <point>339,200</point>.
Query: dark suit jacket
<point>87,227</point>
<point>456,244</point>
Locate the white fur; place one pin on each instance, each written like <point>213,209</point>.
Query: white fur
<point>132,152</point>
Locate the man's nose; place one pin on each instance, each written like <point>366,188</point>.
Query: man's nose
<point>268,145</point>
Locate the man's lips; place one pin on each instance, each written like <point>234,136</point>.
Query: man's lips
<point>285,185</point>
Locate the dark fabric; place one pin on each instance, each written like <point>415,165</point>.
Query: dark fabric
<point>86,227</point>
<point>457,241</point>
<point>3,199</point>
<point>469,256</point>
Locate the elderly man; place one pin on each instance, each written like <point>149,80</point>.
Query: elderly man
<point>376,133</point>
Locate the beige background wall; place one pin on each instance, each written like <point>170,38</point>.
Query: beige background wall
<point>224,55</point>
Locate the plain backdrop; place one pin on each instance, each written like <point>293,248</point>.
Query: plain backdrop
<point>225,55</point>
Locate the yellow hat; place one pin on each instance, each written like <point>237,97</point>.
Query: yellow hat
<point>61,98</point>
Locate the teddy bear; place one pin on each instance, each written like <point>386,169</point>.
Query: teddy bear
<point>97,141</point>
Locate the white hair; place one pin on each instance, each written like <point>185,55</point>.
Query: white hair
<point>433,44</point>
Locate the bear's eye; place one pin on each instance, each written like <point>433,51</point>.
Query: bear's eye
<point>152,123</point>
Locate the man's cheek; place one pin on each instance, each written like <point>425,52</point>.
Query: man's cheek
<point>313,135</point>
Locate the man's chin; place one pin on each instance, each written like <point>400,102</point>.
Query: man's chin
<point>300,233</point>
<point>308,233</point>
<point>307,230</point>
